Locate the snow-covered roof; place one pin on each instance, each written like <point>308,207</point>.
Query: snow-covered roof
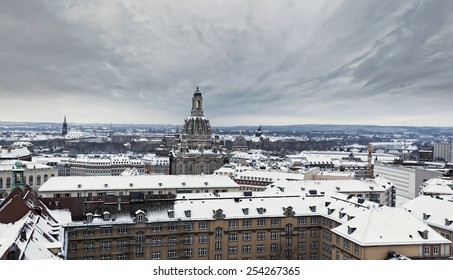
<point>14,152</point>
<point>268,175</point>
<point>433,211</point>
<point>437,186</point>
<point>388,226</point>
<point>376,185</point>
<point>74,183</point>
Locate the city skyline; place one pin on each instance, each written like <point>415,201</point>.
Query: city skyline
<point>256,62</point>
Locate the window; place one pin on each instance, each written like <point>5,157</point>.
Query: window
<point>188,240</point>
<point>188,227</point>
<point>172,228</point>
<point>88,246</point>
<point>337,255</point>
<point>261,223</point>
<point>346,244</point>
<point>122,256</point>
<point>314,233</point>
<point>314,245</point>
<point>337,239</point>
<point>203,225</point>
<point>106,231</point>
<point>314,220</point>
<point>156,255</point>
<point>301,245</point>
<point>218,233</point>
<point>233,237</point>
<point>275,247</point>
<point>275,222</point>
<point>140,237</point>
<point>202,252</point>
<point>261,235</point>
<point>139,250</point>
<point>202,239</point>
<point>172,240</point>
<point>88,232</point>
<point>123,230</point>
<point>246,249</point>
<point>302,220</point>
<point>302,257</point>
<point>232,250</point>
<point>218,256</point>
<point>246,223</point>
<point>88,258</point>
<point>156,241</point>
<point>188,252</point>
<point>122,243</point>
<point>156,228</point>
<point>313,256</point>
<point>289,229</point>
<point>106,245</point>
<point>171,254</point>
<point>218,246</point>
<point>426,250</point>
<point>246,236</point>
<point>260,248</point>
<point>233,224</point>
<point>275,234</point>
<point>435,250</point>
<point>356,249</point>
<point>106,257</point>
<point>289,241</point>
<point>302,233</point>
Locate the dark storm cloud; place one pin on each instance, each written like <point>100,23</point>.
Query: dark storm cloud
<point>275,62</point>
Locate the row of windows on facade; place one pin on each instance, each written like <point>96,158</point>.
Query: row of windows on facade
<point>30,181</point>
<point>204,226</point>
<point>188,253</point>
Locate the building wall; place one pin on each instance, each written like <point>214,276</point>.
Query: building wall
<point>33,177</point>
<point>406,180</point>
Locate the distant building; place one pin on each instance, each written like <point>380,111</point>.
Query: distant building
<point>425,155</point>
<point>99,165</point>
<point>35,174</point>
<point>196,152</point>
<point>407,179</point>
<point>240,144</point>
<point>442,151</point>
<point>156,163</point>
<point>20,153</point>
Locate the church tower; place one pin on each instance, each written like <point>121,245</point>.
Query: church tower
<point>65,128</point>
<point>195,151</point>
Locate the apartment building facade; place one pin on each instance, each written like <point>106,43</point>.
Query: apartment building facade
<point>231,227</point>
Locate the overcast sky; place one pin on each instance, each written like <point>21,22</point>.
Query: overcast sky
<point>380,62</point>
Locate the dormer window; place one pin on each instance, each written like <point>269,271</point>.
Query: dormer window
<point>188,213</point>
<point>245,211</point>
<point>312,208</point>
<point>330,210</point>
<point>89,217</point>
<point>288,211</point>
<point>171,213</point>
<point>426,216</point>
<point>261,210</point>
<point>423,234</point>
<point>351,229</point>
<point>106,216</point>
<point>448,222</point>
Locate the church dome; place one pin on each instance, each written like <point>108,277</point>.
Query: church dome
<point>240,142</point>
<point>195,125</point>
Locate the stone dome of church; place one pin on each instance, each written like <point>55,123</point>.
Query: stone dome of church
<point>240,142</point>
<point>196,125</point>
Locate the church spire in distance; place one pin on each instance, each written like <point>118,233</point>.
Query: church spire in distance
<point>64,131</point>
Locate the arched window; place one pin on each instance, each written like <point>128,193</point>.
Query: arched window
<point>46,177</point>
<point>8,182</point>
<point>289,229</point>
<point>30,180</point>
<point>38,180</point>
<point>140,237</point>
<point>52,175</point>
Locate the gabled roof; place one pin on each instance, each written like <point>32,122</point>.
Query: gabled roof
<point>388,226</point>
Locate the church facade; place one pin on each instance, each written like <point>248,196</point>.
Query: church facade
<point>195,150</point>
